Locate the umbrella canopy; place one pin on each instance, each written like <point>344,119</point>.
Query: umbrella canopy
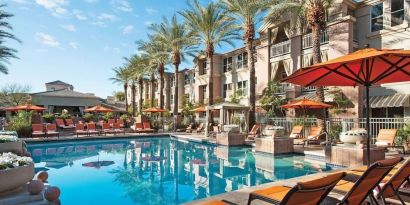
<point>306,104</point>
<point>199,109</point>
<point>27,107</point>
<point>98,164</point>
<point>98,108</point>
<point>366,67</point>
<point>154,110</point>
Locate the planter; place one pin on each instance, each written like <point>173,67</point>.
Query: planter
<point>15,147</point>
<point>352,137</point>
<point>15,178</point>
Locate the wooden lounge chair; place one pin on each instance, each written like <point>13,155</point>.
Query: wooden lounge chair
<point>106,129</point>
<point>121,122</point>
<point>137,127</point>
<point>297,135</point>
<point>37,130</point>
<point>385,138</point>
<point>69,123</point>
<point>61,125</point>
<point>117,128</point>
<point>147,127</point>
<point>307,193</point>
<point>91,129</point>
<point>390,188</point>
<point>314,134</point>
<point>200,128</point>
<point>51,129</point>
<point>79,130</point>
<point>255,131</point>
<point>357,192</point>
<point>111,122</point>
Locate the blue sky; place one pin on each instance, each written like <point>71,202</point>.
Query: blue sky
<point>80,41</point>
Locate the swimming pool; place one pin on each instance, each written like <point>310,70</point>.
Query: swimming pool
<point>157,170</point>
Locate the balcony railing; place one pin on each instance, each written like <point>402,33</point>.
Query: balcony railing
<point>283,87</point>
<point>309,89</point>
<point>280,48</point>
<point>307,39</point>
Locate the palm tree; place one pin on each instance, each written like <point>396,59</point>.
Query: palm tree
<point>212,27</point>
<point>248,13</point>
<point>122,76</point>
<point>180,42</point>
<point>301,11</point>
<point>138,66</point>
<point>5,52</point>
<point>158,56</point>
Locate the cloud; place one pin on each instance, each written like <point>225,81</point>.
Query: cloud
<point>47,39</point>
<point>56,7</point>
<point>150,10</point>
<point>122,5</point>
<point>99,24</point>
<point>69,27</point>
<point>21,1</point>
<point>105,16</point>
<point>73,44</point>
<point>127,29</point>
<point>79,15</point>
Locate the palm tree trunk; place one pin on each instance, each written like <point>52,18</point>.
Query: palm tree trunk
<point>175,108</point>
<point>152,93</point>
<point>133,98</point>
<point>252,82</point>
<point>141,84</point>
<point>161,86</point>
<point>320,96</point>
<point>126,96</point>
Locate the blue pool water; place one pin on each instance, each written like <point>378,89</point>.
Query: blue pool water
<point>157,170</point>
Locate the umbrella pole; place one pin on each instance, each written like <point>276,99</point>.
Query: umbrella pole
<point>368,125</point>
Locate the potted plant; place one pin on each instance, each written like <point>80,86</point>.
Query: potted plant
<point>403,135</point>
<point>15,171</point>
<point>49,117</point>
<point>21,124</point>
<point>64,114</point>
<point>88,117</point>
<point>10,143</point>
<point>107,116</point>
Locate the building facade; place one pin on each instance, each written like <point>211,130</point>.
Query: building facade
<point>352,25</point>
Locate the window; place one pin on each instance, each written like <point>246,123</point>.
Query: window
<point>242,60</point>
<point>202,92</point>
<point>377,17</point>
<point>242,86</point>
<point>397,12</point>
<point>187,78</point>
<point>227,64</point>
<point>227,90</point>
<point>202,68</point>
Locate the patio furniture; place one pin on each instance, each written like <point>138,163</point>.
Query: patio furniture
<point>91,129</point>
<point>106,129</point>
<point>386,137</point>
<point>147,127</point>
<point>307,193</point>
<point>357,192</point>
<point>314,134</point>
<point>255,131</point>
<point>296,132</point>
<point>69,123</point>
<point>200,128</point>
<point>121,122</point>
<point>190,128</point>
<point>79,130</point>
<point>117,128</point>
<point>60,124</point>
<point>51,129</point>
<point>111,122</point>
<point>37,130</point>
<point>137,127</point>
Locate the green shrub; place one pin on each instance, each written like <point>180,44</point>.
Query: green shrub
<point>124,117</point>
<point>21,123</point>
<point>49,117</point>
<point>64,114</point>
<point>403,134</point>
<point>107,116</point>
<point>88,117</point>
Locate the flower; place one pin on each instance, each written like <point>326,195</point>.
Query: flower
<point>8,138</point>
<point>9,160</point>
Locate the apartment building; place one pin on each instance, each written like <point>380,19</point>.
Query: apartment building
<point>352,25</point>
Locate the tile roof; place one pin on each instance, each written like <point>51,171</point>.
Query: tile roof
<point>64,93</point>
<point>58,82</point>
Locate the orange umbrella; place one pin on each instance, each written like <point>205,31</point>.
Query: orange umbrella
<point>98,108</point>
<point>306,104</point>
<point>27,107</point>
<point>366,67</point>
<point>154,110</point>
<point>199,109</point>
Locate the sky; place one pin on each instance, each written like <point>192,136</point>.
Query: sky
<point>80,41</point>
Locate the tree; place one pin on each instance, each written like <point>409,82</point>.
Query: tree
<point>122,76</point>
<point>212,27</point>
<point>269,100</point>
<point>180,42</point>
<point>119,96</point>
<point>138,67</point>
<point>158,56</point>
<point>6,52</point>
<point>301,11</point>
<point>248,13</point>
<point>14,94</point>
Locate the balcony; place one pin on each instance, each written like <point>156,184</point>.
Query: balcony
<point>308,89</point>
<point>282,88</point>
<point>307,39</point>
<point>280,48</point>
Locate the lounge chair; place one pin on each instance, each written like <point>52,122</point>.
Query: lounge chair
<point>91,129</point>
<point>385,138</point>
<point>296,132</point>
<point>307,193</point>
<point>51,129</point>
<point>314,134</point>
<point>79,130</point>
<point>200,128</point>
<point>357,192</point>
<point>255,131</point>
<point>117,128</point>
<point>190,128</point>
<point>69,123</point>
<point>137,127</point>
<point>121,122</point>
<point>61,125</point>
<point>106,129</point>
<point>147,127</point>
<point>111,122</point>
<point>37,130</point>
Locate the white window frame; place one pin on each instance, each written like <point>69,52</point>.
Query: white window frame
<point>381,16</point>
<point>227,66</point>
<point>401,10</point>
<point>243,86</point>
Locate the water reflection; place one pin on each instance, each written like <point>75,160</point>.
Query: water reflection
<point>167,171</point>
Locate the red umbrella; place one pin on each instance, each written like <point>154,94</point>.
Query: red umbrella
<point>27,107</point>
<point>366,67</point>
<point>98,108</point>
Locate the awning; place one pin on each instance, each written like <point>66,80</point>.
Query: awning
<point>395,100</point>
<point>312,96</point>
